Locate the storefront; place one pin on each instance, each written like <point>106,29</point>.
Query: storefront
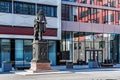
<point>84,46</point>
<point>19,52</point>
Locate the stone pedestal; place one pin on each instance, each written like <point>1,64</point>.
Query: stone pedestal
<point>40,61</point>
<point>38,67</point>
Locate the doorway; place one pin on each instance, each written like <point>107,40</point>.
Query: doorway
<point>96,55</point>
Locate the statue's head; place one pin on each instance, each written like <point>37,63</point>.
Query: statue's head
<point>40,12</point>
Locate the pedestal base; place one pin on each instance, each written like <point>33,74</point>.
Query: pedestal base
<point>40,51</point>
<point>40,67</point>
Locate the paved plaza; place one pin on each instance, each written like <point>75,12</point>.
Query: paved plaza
<point>78,73</point>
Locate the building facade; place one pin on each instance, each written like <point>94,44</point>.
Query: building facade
<point>16,29</point>
<point>77,30</point>
<point>90,31</point>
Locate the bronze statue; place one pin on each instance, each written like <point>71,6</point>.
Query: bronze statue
<point>39,25</point>
<point>40,59</point>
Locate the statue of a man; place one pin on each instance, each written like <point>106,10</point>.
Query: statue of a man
<point>39,25</point>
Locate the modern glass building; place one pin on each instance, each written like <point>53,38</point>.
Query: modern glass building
<point>90,30</point>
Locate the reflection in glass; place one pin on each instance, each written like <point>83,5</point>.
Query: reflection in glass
<point>90,15</point>
<point>5,50</point>
<point>5,6</point>
<point>105,45</point>
<point>19,53</point>
<point>27,52</point>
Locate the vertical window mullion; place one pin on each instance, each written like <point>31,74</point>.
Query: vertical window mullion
<point>23,54</point>
<point>90,15</point>
<point>21,7</point>
<point>65,13</point>
<point>114,15</point>
<point>107,16</point>
<point>96,15</point>
<point>82,14</point>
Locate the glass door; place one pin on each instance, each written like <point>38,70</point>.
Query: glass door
<point>100,56</point>
<point>96,55</point>
<point>87,56</point>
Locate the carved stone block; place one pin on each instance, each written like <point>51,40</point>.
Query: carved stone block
<point>40,51</point>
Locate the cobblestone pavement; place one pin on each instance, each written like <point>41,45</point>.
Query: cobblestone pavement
<point>83,74</point>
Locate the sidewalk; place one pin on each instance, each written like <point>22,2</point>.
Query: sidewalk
<point>63,67</point>
<point>84,68</point>
<point>56,70</point>
<point>64,70</point>
<point>79,72</point>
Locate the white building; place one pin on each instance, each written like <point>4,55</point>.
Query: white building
<point>16,28</point>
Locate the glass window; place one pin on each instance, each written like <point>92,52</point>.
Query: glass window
<point>24,8</point>
<point>5,50</point>
<point>91,1</point>
<point>90,15</point>
<point>107,3</point>
<point>92,46</point>
<point>53,11</point>
<point>116,18</point>
<point>65,12</point>
<point>23,52</point>
<point>110,3</point>
<point>98,41</point>
<point>111,17</point>
<point>113,3</point>
<point>50,11</point>
<point>93,14</point>
<point>99,2</point>
<point>27,52</point>
<point>105,16</point>
<point>83,1</point>
<point>84,14</point>
<point>99,16</point>
<point>119,17</point>
<point>19,52</point>
<point>5,6</point>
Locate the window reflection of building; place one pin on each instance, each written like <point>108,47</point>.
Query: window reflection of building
<point>90,15</point>
<point>107,3</point>
<point>91,1</point>
<point>97,44</point>
<point>102,45</point>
